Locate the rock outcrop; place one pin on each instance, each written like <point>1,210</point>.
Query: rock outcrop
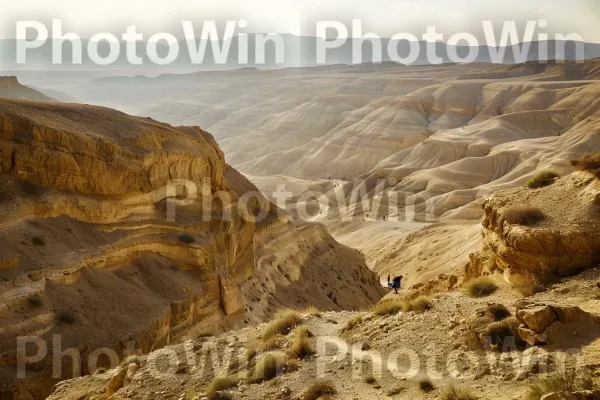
<point>10,88</point>
<point>544,322</point>
<point>564,240</point>
<point>120,232</point>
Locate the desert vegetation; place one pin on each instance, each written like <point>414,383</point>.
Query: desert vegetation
<point>542,179</point>
<point>284,322</point>
<point>480,287</point>
<point>186,238</point>
<point>458,392</point>
<point>319,390</point>
<point>522,215</point>
<point>426,385</point>
<point>394,306</point>
<point>589,163</point>
<point>565,379</point>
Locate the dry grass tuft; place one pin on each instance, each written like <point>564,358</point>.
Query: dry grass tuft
<point>525,216</point>
<point>420,304</point>
<point>370,379</point>
<point>312,311</point>
<point>589,163</point>
<point>268,366</point>
<point>319,390</point>
<point>458,392</point>
<point>389,307</point>
<point>283,324</point>
<point>542,179</point>
<point>301,347</point>
<point>480,287</point>
<point>223,383</point>
<point>564,380</point>
<point>354,322</point>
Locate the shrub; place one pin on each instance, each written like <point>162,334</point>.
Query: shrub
<point>370,379</point>
<point>65,316</point>
<point>35,300</point>
<point>522,215</point>
<point>457,392</point>
<point>38,241</point>
<point>563,380</point>
<point>354,322</point>
<point>426,385</point>
<point>420,304</point>
<point>480,287</point>
<point>312,311</point>
<point>498,312</point>
<point>300,348</point>
<point>497,332</point>
<point>223,383</point>
<point>319,389</point>
<point>283,323</point>
<point>220,396</point>
<point>389,307</point>
<point>267,367</point>
<point>542,179</point>
<point>589,163</point>
<point>303,331</point>
<point>186,238</point>
<point>251,352</point>
<point>132,359</point>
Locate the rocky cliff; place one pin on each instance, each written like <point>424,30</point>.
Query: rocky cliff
<point>11,88</point>
<point>534,235</point>
<point>117,231</point>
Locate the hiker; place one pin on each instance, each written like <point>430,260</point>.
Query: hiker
<point>396,283</point>
<point>389,280</point>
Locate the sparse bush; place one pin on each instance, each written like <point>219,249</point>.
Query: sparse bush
<point>300,348</point>
<point>35,300</point>
<point>283,323</point>
<point>319,389</point>
<point>480,287</point>
<point>497,332</point>
<point>251,352</point>
<point>66,317</point>
<point>542,179</point>
<point>457,392</point>
<point>498,312</point>
<point>564,380</point>
<point>223,383</point>
<point>312,311</point>
<point>426,385</point>
<point>267,367</point>
<point>370,379</point>
<point>354,322</point>
<point>220,396</point>
<point>420,304</point>
<point>132,359</point>
<point>522,215</point>
<point>389,307</point>
<point>589,163</point>
<point>38,241</point>
<point>186,238</point>
<point>303,331</point>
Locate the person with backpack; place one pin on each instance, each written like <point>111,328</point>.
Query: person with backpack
<point>396,283</point>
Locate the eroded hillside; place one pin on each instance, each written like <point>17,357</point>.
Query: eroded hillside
<point>117,230</point>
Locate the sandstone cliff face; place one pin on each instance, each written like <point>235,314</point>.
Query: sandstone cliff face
<point>11,88</point>
<point>566,239</point>
<point>117,230</point>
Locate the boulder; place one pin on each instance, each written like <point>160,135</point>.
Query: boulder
<point>537,318</point>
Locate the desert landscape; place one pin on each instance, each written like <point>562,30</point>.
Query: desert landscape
<point>232,234</point>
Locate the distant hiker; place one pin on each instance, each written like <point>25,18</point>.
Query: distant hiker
<point>389,280</point>
<point>396,283</point>
<point>384,217</point>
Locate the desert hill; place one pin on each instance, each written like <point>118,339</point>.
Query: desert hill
<point>104,243</point>
<point>10,88</point>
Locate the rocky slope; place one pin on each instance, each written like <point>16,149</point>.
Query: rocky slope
<point>118,231</point>
<point>10,88</point>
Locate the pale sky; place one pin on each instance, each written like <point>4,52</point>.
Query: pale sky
<point>383,17</point>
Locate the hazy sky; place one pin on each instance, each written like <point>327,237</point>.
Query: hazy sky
<point>383,17</point>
